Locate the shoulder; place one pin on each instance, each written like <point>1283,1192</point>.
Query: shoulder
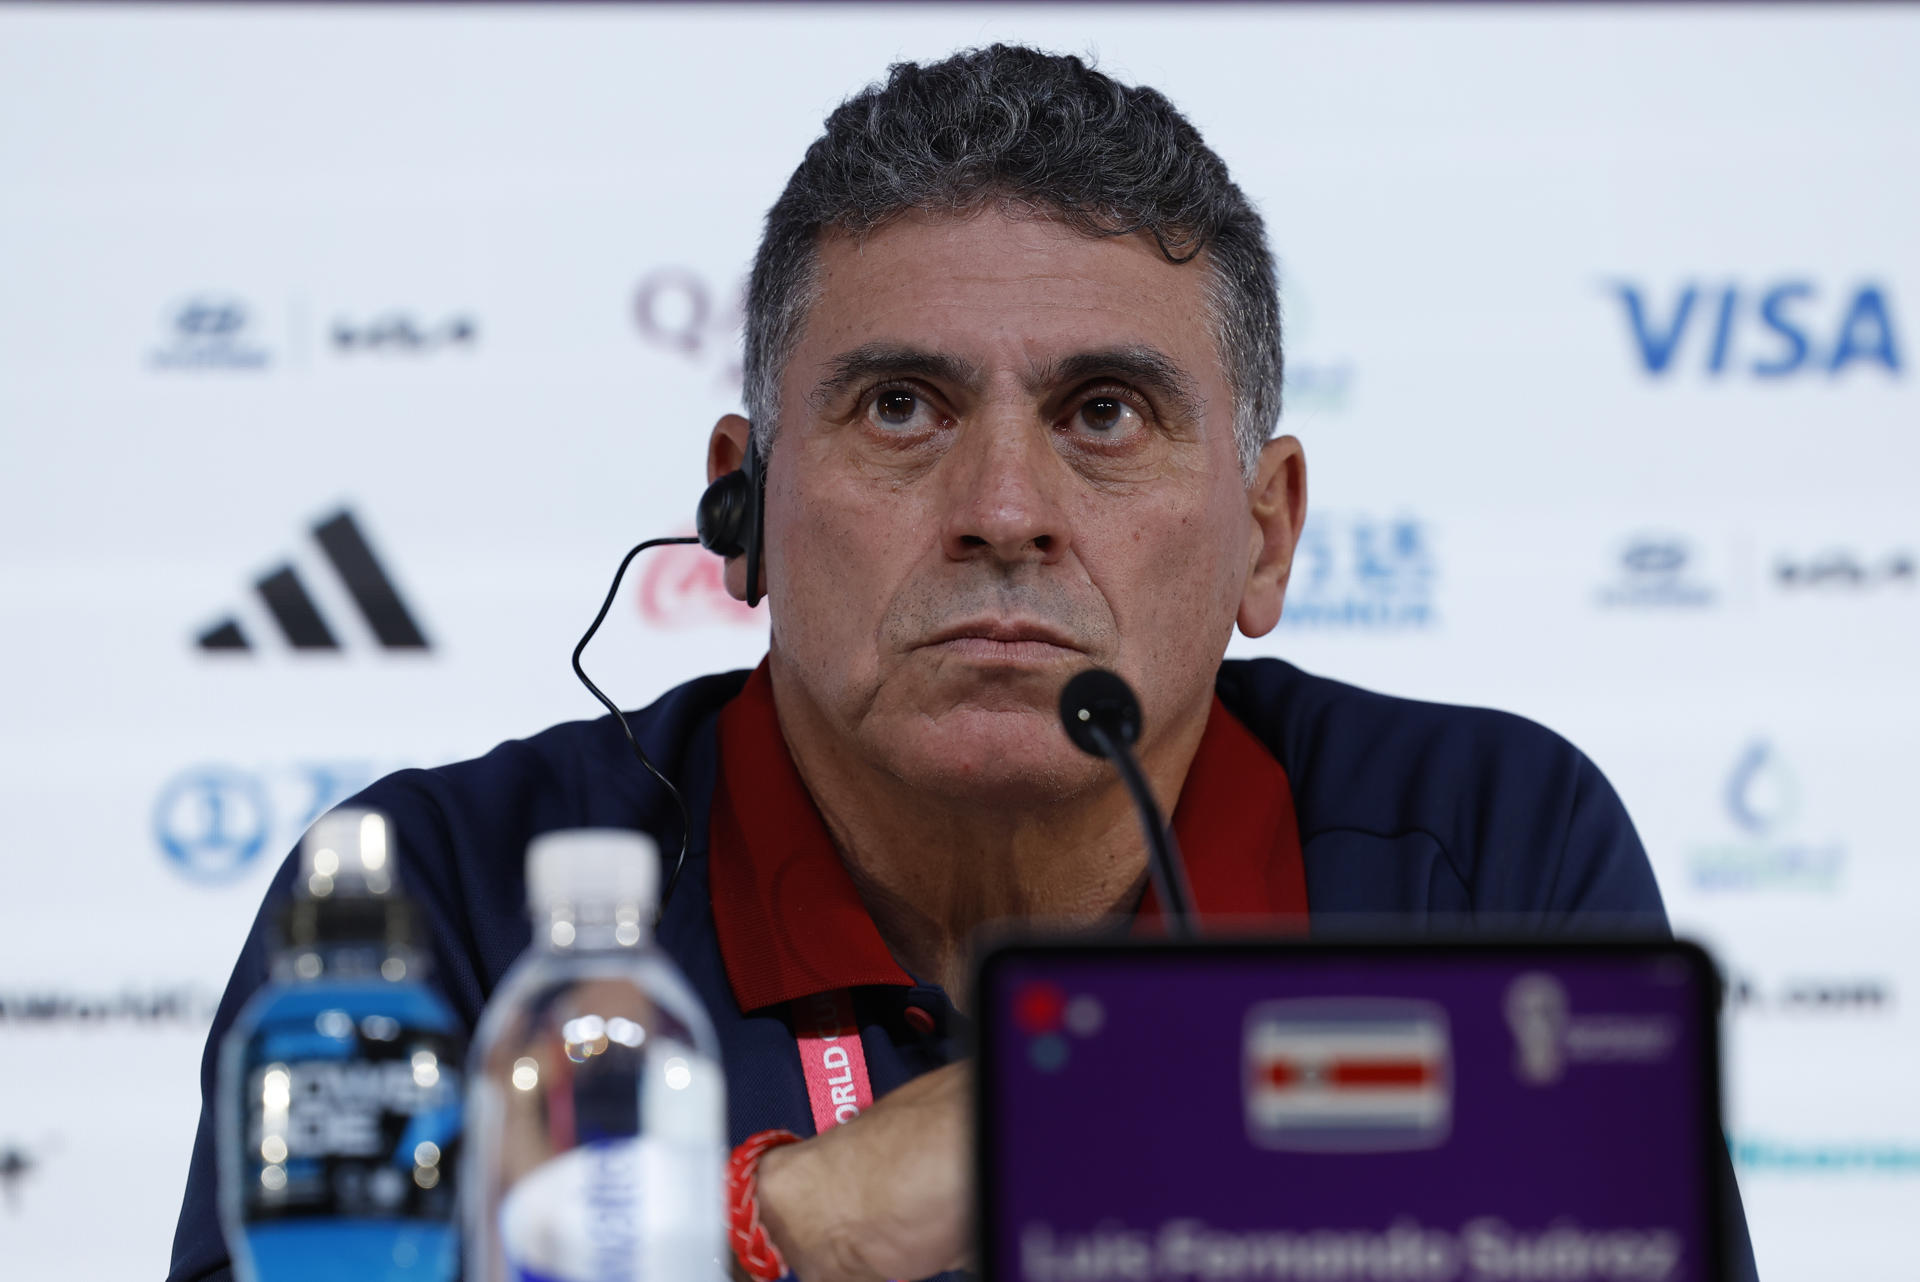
<point>1369,759</point>
<point>1505,807</point>
<point>463,829</point>
<point>572,767</point>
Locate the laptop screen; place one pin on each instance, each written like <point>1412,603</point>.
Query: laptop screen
<point>1410,1112</point>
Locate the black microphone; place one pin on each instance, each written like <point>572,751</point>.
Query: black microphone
<point>1101,715</point>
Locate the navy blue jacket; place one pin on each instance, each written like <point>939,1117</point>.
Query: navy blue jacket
<point>1412,809</point>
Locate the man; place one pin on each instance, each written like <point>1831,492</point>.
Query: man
<point>1013,363</point>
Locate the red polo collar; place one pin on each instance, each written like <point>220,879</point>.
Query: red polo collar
<point>791,922</point>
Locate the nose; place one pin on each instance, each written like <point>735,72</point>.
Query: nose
<point>1003,495</point>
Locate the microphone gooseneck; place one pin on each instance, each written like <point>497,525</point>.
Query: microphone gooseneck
<point>1101,716</point>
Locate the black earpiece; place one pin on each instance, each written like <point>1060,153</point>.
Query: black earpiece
<point>725,515</point>
<point>728,518</point>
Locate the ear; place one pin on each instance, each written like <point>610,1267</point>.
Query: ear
<point>727,447</point>
<point>727,452</point>
<point>1277,501</point>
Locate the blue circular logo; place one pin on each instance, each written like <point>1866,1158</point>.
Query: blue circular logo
<point>212,822</point>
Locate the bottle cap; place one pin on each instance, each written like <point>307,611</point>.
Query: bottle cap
<point>615,867</point>
<point>347,852</point>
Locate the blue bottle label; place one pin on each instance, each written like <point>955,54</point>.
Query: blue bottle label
<point>351,1111</point>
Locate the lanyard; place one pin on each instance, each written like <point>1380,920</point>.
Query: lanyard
<point>832,1058</point>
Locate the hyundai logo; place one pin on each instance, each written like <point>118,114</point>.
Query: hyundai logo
<point>208,318</point>
<point>1652,556</point>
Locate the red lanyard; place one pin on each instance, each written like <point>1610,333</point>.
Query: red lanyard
<point>831,1056</point>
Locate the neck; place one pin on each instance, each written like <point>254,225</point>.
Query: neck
<point>934,870</point>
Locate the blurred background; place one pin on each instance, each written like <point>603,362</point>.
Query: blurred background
<point>343,351</point>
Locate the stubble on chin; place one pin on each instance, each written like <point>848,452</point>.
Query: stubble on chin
<point>1010,757</point>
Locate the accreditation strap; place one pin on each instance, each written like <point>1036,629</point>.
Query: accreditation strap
<point>832,1058</point>
<point>835,1065</point>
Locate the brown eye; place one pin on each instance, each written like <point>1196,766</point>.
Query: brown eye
<point>896,408</point>
<point>1103,415</point>
<point>902,412</point>
<point>1108,416</point>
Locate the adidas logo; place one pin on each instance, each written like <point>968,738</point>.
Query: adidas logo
<point>291,607</point>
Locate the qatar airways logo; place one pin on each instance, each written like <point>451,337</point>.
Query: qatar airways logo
<point>689,316</point>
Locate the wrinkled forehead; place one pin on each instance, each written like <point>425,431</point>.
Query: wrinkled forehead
<point>1004,295</point>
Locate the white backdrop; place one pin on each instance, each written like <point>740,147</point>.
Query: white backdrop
<point>1601,345</point>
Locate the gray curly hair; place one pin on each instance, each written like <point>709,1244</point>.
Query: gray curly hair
<point>1036,132</point>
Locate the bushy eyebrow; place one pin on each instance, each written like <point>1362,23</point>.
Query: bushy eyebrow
<point>1149,367</point>
<point>872,362</point>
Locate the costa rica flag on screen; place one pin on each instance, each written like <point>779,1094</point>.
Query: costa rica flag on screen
<point>1357,1075</point>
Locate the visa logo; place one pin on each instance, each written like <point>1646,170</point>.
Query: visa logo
<point>1784,329</point>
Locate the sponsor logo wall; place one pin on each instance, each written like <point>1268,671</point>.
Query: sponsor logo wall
<point>323,437</point>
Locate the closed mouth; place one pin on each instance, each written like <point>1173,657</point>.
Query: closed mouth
<point>1003,639</point>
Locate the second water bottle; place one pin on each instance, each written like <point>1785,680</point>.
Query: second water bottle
<point>596,1111</point>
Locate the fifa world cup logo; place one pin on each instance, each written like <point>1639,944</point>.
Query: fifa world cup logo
<point>1536,1010</point>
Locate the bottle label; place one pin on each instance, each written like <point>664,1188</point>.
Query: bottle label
<point>617,1210</point>
<point>350,1118</point>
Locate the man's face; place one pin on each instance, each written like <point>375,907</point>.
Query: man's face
<point>1006,454</point>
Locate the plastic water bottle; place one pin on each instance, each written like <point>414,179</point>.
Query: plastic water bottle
<point>340,1084</point>
<point>596,1106</point>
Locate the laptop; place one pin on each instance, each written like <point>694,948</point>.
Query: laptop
<point>1424,1111</point>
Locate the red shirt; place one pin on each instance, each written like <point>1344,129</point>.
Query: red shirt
<point>791,922</point>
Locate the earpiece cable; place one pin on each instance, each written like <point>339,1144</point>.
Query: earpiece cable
<point>673,877</point>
